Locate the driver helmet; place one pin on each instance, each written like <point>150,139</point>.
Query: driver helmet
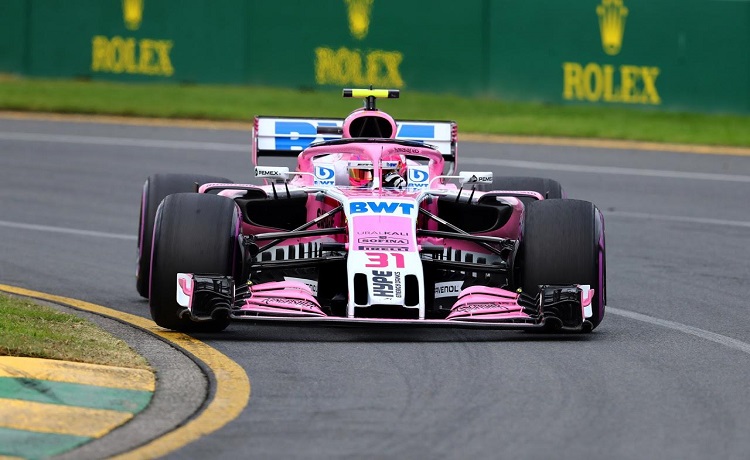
<point>360,172</point>
<point>393,171</point>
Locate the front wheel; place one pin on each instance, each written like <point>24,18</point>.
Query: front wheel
<point>193,233</point>
<point>155,189</point>
<point>563,243</point>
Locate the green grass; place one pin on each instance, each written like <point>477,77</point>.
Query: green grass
<point>473,115</point>
<point>31,330</point>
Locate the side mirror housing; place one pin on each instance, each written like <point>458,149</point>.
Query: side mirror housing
<point>474,177</point>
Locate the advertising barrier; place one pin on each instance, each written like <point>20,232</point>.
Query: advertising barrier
<point>141,40</point>
<point>675,54</point>
<point>384,43</point>
<point>13,32</point>
<point>691,55</point>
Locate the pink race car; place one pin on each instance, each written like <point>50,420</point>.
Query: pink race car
<point>373,227</point>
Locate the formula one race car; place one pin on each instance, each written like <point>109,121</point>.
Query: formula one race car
<point>373,227</point>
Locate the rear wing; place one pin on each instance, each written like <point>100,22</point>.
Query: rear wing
<point>286,137</point>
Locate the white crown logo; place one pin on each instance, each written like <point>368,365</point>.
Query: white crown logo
<point>359,17</point>
<point>132,12</point>
<point>612,14</point>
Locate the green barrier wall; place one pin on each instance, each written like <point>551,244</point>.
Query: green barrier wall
<point>676,54</point>
<point>386,43</point>
<point>13,45</point>
<point>664,54</point>
<point>184,40</point>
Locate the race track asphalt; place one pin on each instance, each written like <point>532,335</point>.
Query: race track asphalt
<point>665,375</point>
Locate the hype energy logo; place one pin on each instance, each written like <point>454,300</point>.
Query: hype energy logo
<point>344,66</point>
<point>129,55</point>
<point>610,83</point>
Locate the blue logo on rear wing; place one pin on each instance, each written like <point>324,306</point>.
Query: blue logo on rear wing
<point>286,136</point>
<point>298,135</point>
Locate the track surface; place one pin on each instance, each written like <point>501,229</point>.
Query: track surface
<point>678,227</point>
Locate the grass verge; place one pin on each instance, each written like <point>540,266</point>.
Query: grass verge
<point>238,103</point>
<point>37,331</point>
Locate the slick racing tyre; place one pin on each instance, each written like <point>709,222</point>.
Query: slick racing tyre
<point>563,243</point>
<point>155,189</point>
<point>548,188</point>
<point>193,233</point>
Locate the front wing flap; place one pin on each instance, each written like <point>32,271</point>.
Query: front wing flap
<point>207,297</point>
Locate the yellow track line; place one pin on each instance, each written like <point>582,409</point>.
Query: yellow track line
<point>83,373</point>
<point>490,138</point>
<point>232,383</point>
<point>58,419</point>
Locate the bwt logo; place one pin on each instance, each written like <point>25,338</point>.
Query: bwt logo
<point>324,175</point>
<point>418,177</point>
<point>380,207</point>
<point>298,135</point>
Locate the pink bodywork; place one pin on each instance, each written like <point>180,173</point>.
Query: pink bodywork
<point>282,298</point>
<point>292,299</point>
<point>485,303</point>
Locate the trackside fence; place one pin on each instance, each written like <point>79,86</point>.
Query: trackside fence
<point>689,55</point>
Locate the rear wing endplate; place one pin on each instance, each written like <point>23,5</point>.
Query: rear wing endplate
<point>286,137</point>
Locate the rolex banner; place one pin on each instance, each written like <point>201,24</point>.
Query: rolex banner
<point>672,54</point>
<point>668,54</point>
<point>132,40</point>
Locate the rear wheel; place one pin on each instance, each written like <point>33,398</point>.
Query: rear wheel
<point>548,188</point>
<point>155,189</point>
<point>563,243</point>
<point>193,233</point>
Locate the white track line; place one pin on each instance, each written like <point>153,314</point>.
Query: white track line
<point>245,148</point>
<point>689,220</point>
<point>701,333</point>
<point>625,214</point>
<point>69,231</point>
<point>245,126</point>
<point>707,335</point>
<point>125,142</point>
<point>605,170</point>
